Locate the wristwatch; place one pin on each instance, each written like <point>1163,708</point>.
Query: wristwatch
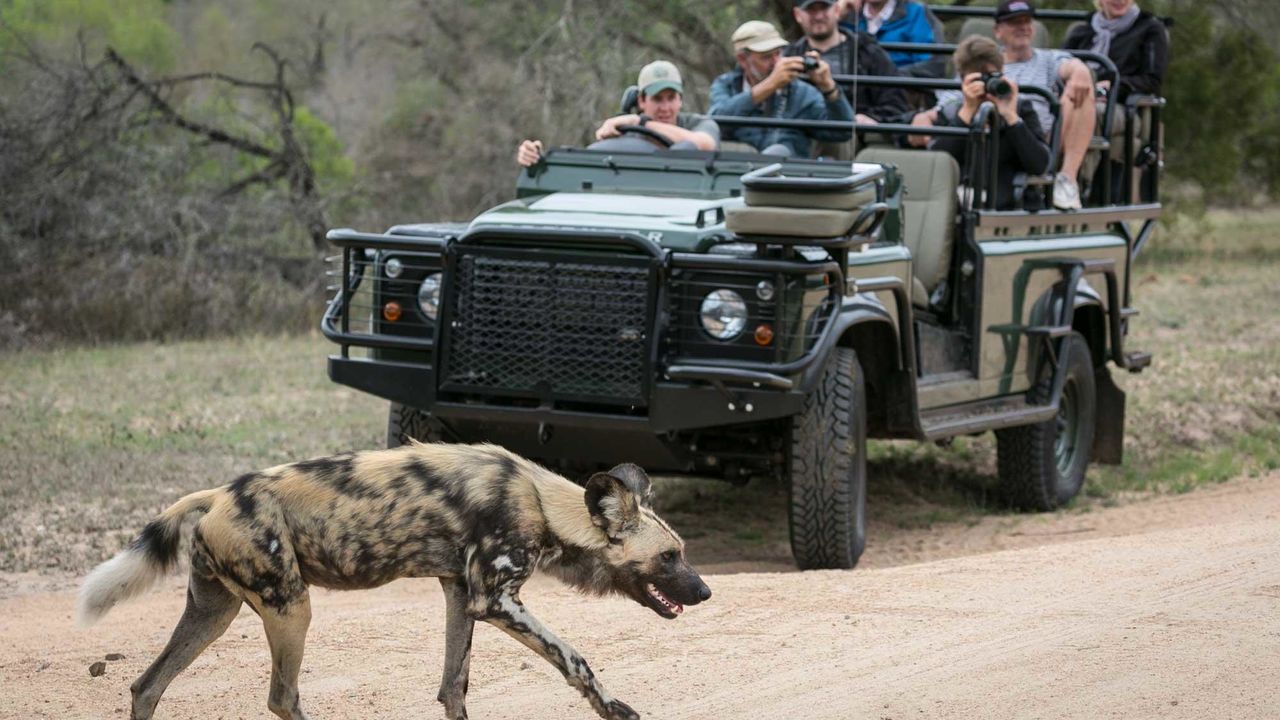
<point>644,120</point>
<point>831,94</point>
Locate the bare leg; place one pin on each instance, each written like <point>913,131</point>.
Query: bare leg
<point>457,649</point>
<point>1077,129</point>
<point>505,611</point>
<point>210,609</point>
<point>286,634</point>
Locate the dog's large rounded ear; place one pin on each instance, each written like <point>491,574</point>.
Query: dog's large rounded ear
<point>637,481</point>
<point>612,505</point>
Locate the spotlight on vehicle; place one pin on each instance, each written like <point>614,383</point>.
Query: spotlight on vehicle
<point>393,268</point>
<point>429,295</point>
<point>724,314</point>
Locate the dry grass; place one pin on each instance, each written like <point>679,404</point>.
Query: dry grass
<point>95,441</point>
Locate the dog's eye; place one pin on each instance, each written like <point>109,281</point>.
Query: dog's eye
<point>670,556</point>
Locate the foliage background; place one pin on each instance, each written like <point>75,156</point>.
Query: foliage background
<point>119,222</point>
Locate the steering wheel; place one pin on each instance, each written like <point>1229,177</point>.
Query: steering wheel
<point>653,135</point>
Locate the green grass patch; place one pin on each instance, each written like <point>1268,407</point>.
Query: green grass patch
<point>1182,471</point>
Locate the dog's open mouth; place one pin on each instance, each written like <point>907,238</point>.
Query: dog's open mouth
<point>672,607</point>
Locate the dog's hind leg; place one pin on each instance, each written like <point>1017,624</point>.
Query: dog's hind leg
<point>286,627</point>
<point>210,609</point>
<point>457,649</point>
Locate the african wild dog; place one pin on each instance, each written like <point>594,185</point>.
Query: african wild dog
<point>476,516</point>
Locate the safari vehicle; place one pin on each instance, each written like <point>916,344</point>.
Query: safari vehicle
<point>724,314</point>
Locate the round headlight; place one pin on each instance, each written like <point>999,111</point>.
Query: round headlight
<point>429,295</point>
<point>393,268</point>
<point>764,290</point>
<point>724,314</point>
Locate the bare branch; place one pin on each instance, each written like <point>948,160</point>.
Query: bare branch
<point>173,117</point>
<point>270,173</point>
<point>280,89</point>
<point>196,77</point>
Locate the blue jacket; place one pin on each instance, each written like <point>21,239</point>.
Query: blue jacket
<point>798,101</point>
<point>911,23</point>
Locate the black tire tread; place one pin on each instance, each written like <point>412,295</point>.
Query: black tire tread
<point>1025,455</point>
<point>825,440</point>
<point>405,422</point>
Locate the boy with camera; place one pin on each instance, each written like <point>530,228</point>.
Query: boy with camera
<point>1022,148</point>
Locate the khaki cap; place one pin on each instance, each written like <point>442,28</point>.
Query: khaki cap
<point>658,76</point>
<point>757,36</point>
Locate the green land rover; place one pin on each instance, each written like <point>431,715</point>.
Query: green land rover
<point>728,315</point>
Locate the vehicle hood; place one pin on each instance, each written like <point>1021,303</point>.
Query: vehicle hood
<point>672,222</point>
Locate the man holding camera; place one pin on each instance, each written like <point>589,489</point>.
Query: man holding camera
<point>849,52</point>
<point>1022,147</point>
<point>766,84</point>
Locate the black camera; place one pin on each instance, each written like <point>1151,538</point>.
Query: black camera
<point>810,64</point>
<point>996,85</point>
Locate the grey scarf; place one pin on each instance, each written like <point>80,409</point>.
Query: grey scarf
<point>1104,28</point>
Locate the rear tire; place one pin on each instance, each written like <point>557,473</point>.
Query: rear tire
<point>1042,466</point>
<point>405,423</point>
<point>827,469</point>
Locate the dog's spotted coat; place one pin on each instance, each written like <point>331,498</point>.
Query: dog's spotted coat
<point>478,517</point>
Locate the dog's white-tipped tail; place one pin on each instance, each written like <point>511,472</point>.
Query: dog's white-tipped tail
<point>128,574</point>
<point>137,568</point>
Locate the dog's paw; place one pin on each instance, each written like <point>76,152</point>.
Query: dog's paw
<point>618,710</point>
<point>454,707</point>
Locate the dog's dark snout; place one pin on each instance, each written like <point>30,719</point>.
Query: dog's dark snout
<point>704,594</point>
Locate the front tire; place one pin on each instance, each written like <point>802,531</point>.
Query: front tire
<point>405,423</point>
<point>827,469</point>
<point>1042,466</point>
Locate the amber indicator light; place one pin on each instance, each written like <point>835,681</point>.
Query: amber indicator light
<point>764,335</point>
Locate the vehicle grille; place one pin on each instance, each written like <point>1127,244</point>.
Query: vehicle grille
<point>549,328</point>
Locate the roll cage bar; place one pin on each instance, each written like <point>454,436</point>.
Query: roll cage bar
<point>983,141</point>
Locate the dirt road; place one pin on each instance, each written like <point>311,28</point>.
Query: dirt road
<point>1161,609</point>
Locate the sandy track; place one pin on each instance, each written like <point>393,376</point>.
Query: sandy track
<point>1162,609</point>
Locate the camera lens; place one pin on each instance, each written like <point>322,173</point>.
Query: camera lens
<point>996,85</point>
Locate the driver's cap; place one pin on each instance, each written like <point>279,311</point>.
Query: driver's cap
<point>757,36</point>
<point>658,76</point>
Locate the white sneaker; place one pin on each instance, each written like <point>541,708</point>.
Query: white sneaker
<point>1066,194</point>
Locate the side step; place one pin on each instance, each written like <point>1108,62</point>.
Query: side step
<point>1135,361</point>
<point>982,416</point>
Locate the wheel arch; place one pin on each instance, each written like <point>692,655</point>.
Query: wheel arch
<point>1090,321</point>
<point>874,340</point>
<point>1088,317</point>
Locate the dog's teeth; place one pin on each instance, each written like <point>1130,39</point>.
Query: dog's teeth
<point>656,594</point>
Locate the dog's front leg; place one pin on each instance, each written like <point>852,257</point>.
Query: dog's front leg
<point>504,610</point>
<point>457,649</point>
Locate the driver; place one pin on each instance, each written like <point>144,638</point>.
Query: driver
<point>660,99</point>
